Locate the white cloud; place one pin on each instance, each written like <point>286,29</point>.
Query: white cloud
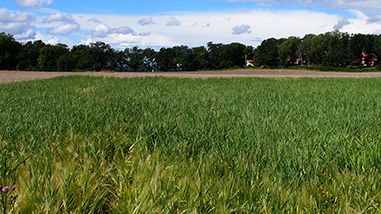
<point>370,7</point>
<point>241,29</point>
<point>203,24</point>
<point>153,40</point>
<point>173,22</point>
<point>26,36</point>
<point>123,30</point>
<point>59,17</point>
<point>341,23</point>
<point>104,30</point>
<point>128,31</point>
<point>198,28</point>
<point>360,24</point>
<point>33,3</point>
<point>63,23</point>
<point>7,16</point>
<point>192,28</point>
<point>15,28</point>
<point>101,31</point>
<point>353,4</point>
<point>375,19</point>
<point>146,21</point>
<point>94,20</point>
<point>64,29</point>
<point>15,22</point>
<point>49,39</point>
<point>356,4</point>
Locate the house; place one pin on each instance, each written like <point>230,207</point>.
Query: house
<point>298,61</point>
<point>373,60</point>
<point>294,61</point>
<point>369,59</point>
<point>364,57</point>
<point>249,62</point>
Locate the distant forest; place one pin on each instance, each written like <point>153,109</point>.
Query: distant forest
<point>332,50</point>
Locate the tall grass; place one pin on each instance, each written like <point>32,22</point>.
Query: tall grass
<point>169,145</point>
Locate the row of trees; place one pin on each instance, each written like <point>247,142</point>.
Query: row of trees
<point>100,56</point>
<point>333,49</point>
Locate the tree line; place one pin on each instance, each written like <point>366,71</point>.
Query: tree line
<point>98,56</point>
<point>332,49</point>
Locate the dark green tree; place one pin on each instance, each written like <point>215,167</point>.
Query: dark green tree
<point>9,52</point>
<point>121,61</point>
<point>236,54</point>
<point>338,52</point>
<point>96,56</point>
<point>289,51</point>
<point>165,59</point>
<point>149,60</point>
<point>82,57</point>
<point>226,56</point>
<point>49,55</point>
<point>197,59</point>
<point>135,59</point>
<point>65,63</point>
<point>360,43</point>
<point>181,55</point>
<point>319,47</point>
<point>267,53</point>
<point>305,49</point>
<point>103,56</point>
<point>377,46</point>
<point>29,55</point>
<point>215,54</point>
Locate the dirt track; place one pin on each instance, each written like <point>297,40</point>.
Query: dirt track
<point>13,76</point>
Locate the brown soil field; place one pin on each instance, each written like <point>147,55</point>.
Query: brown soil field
<point>15,76</point>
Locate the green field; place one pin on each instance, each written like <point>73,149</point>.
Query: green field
<point>171,145</point>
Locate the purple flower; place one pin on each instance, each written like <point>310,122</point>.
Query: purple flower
<point>5,189</point>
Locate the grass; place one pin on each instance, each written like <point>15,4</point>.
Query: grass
<point>350,68</point>
<point>170,145</point>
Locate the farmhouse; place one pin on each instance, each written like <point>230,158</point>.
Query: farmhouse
<point>249,62</point>
<point>294,61</point>
<point>373,60</point>
<point>369,59</point>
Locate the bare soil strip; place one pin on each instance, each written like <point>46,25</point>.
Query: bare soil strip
<point>14,76</point>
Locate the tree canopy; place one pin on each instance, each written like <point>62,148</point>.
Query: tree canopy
<point>332,49</point>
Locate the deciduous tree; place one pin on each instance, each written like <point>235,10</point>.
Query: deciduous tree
<point>9,52</point>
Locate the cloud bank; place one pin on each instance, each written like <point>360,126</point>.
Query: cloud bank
<point>34,3</point>
<point>188,28</point>
<point>16,22</point>
<point>64,24</point>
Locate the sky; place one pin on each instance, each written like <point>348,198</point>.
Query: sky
<point>165,23</point>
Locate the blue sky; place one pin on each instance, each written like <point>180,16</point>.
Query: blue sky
<point>139,7</point>
<point>148,23</point>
